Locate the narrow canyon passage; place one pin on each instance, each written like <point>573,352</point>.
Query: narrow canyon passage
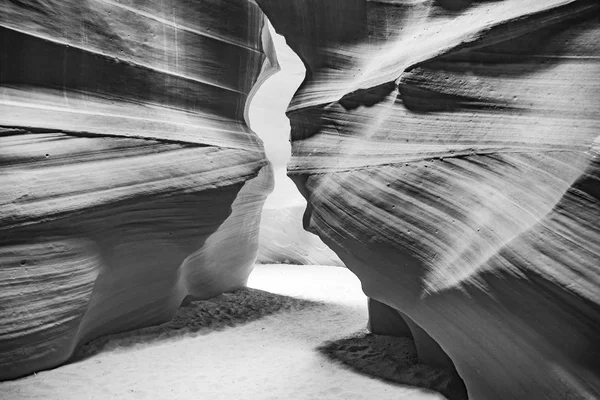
<point>268,120</point>
<point>282,237</point>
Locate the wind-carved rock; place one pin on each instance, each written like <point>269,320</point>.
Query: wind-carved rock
<point>129,178</point>
<point>449,154</point>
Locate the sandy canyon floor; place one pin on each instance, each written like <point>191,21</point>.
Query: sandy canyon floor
<point>297,332</point>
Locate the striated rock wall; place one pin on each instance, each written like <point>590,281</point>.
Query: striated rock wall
<point>449,154</point>
<point>129,179</point>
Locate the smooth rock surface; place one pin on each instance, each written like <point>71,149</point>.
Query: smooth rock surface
<point>385,320</point>
<point>449,154</point>
<point>129,177</point>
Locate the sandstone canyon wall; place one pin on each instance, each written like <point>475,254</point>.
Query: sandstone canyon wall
<point>129,178</point>
<point>449,154</point>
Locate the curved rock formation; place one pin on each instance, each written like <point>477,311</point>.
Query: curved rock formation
<point>129,177</point>
<point>449,154</point>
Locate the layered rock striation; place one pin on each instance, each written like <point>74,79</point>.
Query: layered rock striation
<point>129,178</point>
<point>449,154</point>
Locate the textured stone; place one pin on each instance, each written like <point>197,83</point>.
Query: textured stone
<point>449,155</point>
<point>129,177</point>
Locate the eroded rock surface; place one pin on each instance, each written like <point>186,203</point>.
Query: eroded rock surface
<point>129,177</point>
<point>449,154</point>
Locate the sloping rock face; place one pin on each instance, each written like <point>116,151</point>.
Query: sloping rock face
<point>129,177</point>
<point>283,240</point>
<point>449,154</point>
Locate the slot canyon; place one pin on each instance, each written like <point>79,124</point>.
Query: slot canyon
<point>439,160</point>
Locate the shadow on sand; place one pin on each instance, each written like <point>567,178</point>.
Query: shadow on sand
<point>394,360</point>
<point>201,317</point>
